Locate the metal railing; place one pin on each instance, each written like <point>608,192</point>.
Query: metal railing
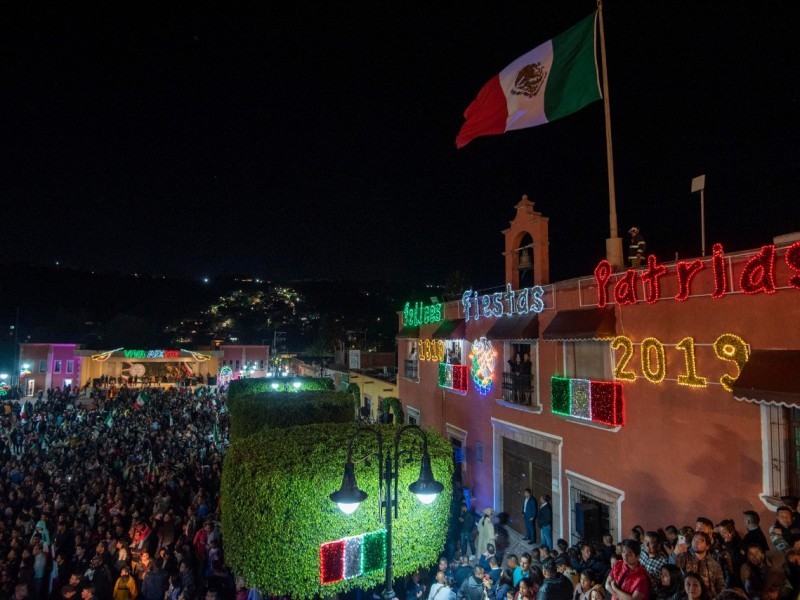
<point>518,388</point>
<point>411,369</point>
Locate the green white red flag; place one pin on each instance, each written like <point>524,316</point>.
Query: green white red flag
<point>551,81</point>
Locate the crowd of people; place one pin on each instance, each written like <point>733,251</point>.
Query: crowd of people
<point>706,561</point>
<point>113,498</point>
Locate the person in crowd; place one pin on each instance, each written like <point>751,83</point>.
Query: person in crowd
<point>474,586</point>
<point>587,559</point>
<point>698,560</point>
<point>694,588</point>
<point>526,590</point>
<point>440,590</point>
<point>754,532</point>
<point>125,586</point>
<point>653,556</point>
<point>556,586</point>
<point>588,579</point>
<point>764,571</point>
<point>565,568</point>
<point>466,525</point>
<point>545,520</point>
<point>597,593</point>
<point>784,530</point>
<point>505,585</point>
<point>486,530</point>
<point>670,583</point>
<point>529,511</point>
<point>524,568</point>
<point>628,579</point>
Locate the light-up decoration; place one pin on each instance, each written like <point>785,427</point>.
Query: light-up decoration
<point>602,273</point>
<point>483,357</point>
<point>151,353</point>
<point>657,374</point>
<point>792,258</point>
<point>431,350</point>
<point>620,374</point>
<point>758,275</point>
<point>24,371</point>
<point>731,347</point>
<point>225,375</point>
<point>197,355</point>
<point>720,276</point>
<point>352,556</point>
<point>596,401</point>
<point>508,303</point>
<point>727,347</point>
<point>453,377</point>
<point>420,314</point>
<point>686,272</point>
<point>625,289</point>
<point>137,370</point>
<point>104,356</point>
<point>691,378</point>
<point>651,278</point>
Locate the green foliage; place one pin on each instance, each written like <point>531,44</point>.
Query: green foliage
<point>392,404</point>
<point>251,411</point>
<point>258,385</point>
<point>276,509</point>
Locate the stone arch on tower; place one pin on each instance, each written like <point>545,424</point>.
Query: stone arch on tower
<point>527,243</point>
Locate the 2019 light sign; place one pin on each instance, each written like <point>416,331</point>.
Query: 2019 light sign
<point>508,303</point>
<point>727,347</point>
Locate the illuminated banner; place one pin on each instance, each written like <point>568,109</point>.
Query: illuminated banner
<point>508,303</point>
<point>151,353</point>
<point>757,276</point>
<point>352,556</point>
<point>420,314</point>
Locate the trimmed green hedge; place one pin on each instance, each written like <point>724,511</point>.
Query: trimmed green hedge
<point>252,411</point>
<point>276,510</point>
<point>258,385</point>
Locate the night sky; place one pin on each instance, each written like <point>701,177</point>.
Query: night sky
<point>317,139</point>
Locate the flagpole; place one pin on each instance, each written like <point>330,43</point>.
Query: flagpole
<point>613,243</point>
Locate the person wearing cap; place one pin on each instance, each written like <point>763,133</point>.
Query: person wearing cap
<point>486,533</point>
<point>636,248</point>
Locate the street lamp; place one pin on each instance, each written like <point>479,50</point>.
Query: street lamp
<point>426,488</point>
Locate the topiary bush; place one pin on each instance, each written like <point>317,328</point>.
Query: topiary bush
<point>251,411</point>
<point>276,510</point>
<point>258,385</point>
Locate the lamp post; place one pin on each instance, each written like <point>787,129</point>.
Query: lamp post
<point>349,496</point>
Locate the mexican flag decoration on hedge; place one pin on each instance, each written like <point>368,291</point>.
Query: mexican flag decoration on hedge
<point>352,556</point>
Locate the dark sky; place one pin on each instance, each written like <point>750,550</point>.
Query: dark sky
<point>317,139</point>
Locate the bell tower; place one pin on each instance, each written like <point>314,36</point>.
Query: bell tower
<point>527,247</point>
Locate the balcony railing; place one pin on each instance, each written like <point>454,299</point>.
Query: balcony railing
<point>518,388</point>
<point>411,369</point>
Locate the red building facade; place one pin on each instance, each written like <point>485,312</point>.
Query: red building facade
<point>650,396</point>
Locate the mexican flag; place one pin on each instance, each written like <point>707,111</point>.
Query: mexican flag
<point>110,419</point>
<point>141,400</point>
<point>551,81</point>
